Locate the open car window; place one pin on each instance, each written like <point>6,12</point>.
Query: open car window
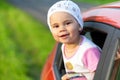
<point>101,35</point>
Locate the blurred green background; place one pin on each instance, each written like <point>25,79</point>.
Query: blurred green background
<point>25,43</point>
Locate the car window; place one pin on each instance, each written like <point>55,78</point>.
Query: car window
<point>95,35</point>
<point>100,34</point>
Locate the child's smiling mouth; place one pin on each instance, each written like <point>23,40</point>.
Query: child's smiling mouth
<point>64,36</point>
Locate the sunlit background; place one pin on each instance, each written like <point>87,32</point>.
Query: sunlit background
<point>25,40</point>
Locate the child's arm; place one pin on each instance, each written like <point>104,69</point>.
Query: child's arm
<point>65,77</point>
<point>92,75</point>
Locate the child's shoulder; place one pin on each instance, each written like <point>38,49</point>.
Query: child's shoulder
<point>88,43</point>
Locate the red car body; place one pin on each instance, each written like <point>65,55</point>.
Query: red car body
<point>48,72</point>
<point>108,14</point>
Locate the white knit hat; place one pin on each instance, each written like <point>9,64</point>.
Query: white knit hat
<point>65,6</point>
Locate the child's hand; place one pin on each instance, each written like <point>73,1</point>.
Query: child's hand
<point>65,77</point>
<point>117,55</point>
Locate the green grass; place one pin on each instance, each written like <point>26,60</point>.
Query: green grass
<point>99,2</point>
<point>24,44</point>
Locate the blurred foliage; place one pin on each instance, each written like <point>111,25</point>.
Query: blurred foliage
<point>24,44</point>
<point>99,2</point>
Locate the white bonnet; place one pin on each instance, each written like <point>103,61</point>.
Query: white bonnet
<point>65,6</point>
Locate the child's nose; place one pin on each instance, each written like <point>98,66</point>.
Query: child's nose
<point>62,28</point>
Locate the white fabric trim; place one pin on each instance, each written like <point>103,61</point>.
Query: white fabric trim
<point>65,6</point>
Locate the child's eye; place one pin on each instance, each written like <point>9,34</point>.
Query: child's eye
<point>67,23</point>
<point>55,26</point>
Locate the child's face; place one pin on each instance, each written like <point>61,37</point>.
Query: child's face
<point>64,27</point>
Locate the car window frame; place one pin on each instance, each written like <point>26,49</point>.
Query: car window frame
<point>103,69</point>
<point>58,62</point>
<point>110,58</point>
